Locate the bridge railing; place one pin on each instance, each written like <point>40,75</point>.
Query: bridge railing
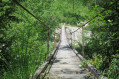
<point>48,56</point>
<point>45,67</point>
<point>90,67</point>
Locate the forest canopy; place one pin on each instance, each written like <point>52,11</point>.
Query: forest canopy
<point>23,44</point>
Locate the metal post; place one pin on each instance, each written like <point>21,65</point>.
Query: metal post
<point>73,7</point>
<point>48,41</point>
<point>54,39</point>
<point>71,39</point>
<point>82,42</point>
<point>74,40</point>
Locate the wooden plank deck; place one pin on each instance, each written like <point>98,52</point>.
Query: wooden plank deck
<point>66,64</point>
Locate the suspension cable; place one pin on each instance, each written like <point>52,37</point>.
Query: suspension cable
<point>30,13</point>
<point>95,16</point>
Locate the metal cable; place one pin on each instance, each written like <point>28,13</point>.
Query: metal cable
<point>96,16</point>
<point>30,13</point>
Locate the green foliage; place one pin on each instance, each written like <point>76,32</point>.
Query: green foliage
<point>113,71</point>
<point>102,48</point>
<point>84,64</point>
<point>23,44</point>
<point>23,39</point>
<point>97,61</point>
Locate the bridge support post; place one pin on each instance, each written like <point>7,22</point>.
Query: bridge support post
<point>73,7</point>
<point>74,40</point>
<point>71,39</point>
<point>82,42</point>
<point>48,41</point>
<point>54,39</point>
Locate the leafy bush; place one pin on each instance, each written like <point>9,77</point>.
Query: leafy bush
<point>97,61</point>
<point>113,72</point>
<point>84,64</point>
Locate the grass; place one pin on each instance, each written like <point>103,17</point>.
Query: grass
<point>25,65</point>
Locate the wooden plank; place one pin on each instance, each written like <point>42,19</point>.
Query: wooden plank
<point>39,70</point>
<point>90,67</point>
<point>44,66</point>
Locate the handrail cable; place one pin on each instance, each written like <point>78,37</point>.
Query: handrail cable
<point>48,34</point>
<point>96,16</point>
<point>30,13</point>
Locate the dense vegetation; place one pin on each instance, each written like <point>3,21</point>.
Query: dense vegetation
<point>102,50</point>
<point>23,44</point>
<point>23,39</point>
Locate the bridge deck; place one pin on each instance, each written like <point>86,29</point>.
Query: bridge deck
<point>67,64</point>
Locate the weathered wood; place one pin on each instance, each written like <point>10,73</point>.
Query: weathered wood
<point>66,64</point>
<point>78,55</point>
<point>90,67</point>
<point>44,66</point>
<point>40,70</point>
<point>95,72</point>
<point>51,55</point>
